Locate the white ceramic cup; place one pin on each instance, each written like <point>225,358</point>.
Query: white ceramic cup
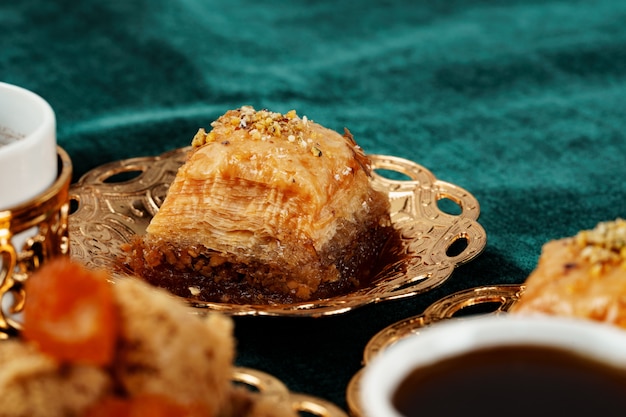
<point>386,372</point>
<point>28,155</point>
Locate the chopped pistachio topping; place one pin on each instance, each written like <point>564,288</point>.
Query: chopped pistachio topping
<point>202,137</point>
<point>261,125</point>
<point>316,151</point>
<point>604,244</point>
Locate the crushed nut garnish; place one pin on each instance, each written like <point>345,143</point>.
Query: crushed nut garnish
<point>202,137</point>
<point>604,244</point>
<point>262,125</point>
<point>316,151</point>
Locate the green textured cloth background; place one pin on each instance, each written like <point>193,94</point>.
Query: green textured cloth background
<point>522,103</point>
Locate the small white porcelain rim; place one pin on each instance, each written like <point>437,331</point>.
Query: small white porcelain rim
<point>385,372</point>
<point>28,166</point>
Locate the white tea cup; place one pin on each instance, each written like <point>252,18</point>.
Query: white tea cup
<point>28,155</point>
<point>500,365</point>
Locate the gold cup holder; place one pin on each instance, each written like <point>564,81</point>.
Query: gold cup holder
<point>30,234</point>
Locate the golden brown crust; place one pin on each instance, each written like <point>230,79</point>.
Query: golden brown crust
<point>581,276</point>
<point>265,199</point>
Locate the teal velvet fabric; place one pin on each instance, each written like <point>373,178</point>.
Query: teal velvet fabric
<point>520,102</point>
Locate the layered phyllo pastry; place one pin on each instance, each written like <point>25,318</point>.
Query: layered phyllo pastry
<point>268,208</point>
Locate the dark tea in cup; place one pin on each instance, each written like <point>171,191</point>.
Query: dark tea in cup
<point>525,380</point>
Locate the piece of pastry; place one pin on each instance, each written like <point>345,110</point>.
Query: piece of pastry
<point>36,385</point>
<point>159,358</point>
<point>267,208</point>
<point>162,350</point>
<point>581,276</point>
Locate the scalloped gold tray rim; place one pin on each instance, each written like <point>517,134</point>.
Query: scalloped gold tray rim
<point>421,192</point>
<point>502,296</point>
<point>269,386</point>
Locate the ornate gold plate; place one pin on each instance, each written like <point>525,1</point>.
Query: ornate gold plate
<point>115,201</point>
<point>495,299</point>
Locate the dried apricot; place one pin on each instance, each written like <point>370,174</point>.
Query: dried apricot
<point>110,407</point>
<point>70,313</point>
<point>157,406</point>
<point>143,405</point>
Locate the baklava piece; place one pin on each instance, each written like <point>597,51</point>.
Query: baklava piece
<point>268,208</point>
<point>582,276</point>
